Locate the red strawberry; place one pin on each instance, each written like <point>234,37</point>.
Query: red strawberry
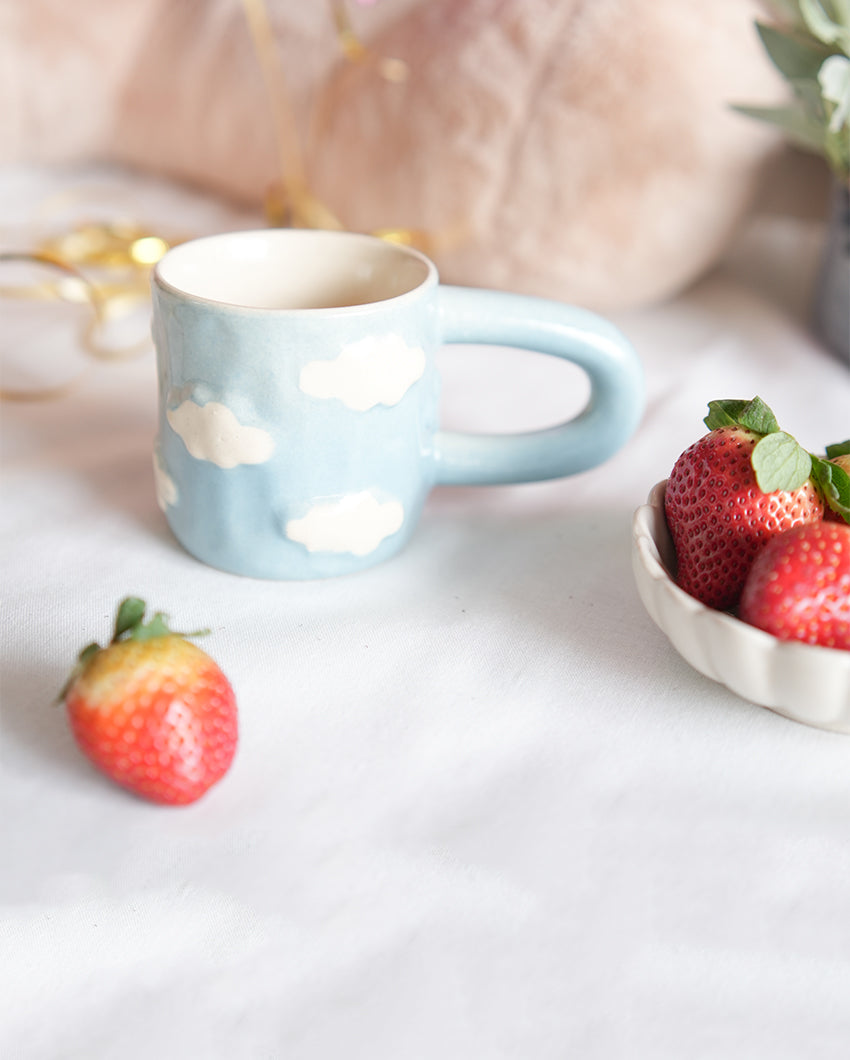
<point>723,501</point>
<point>153,711</point>
<point>799,586</point>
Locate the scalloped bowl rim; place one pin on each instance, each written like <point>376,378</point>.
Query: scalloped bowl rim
<point>804,682</point>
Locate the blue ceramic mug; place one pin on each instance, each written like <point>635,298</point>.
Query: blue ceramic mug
<point>299,418</point>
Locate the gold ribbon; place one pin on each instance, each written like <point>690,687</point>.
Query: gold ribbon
<point>108,264</point>
<point>290,202</point>
<point>65,281</point>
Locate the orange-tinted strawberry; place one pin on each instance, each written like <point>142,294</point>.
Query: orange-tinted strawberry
<point>152,711</point>
<point>799,586</point>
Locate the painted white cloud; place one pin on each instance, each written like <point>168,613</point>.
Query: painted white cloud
<point>378,370</point>
<point>211,432</point>
<point>357,524</point>
<point>166,487</point>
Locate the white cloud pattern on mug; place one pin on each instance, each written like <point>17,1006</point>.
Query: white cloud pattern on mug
<point>377,370</point>
<point>212,432</point>
<point>166,488</point>
<point>356,523</point>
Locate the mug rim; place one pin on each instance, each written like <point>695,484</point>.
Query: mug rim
<point>430,280</point>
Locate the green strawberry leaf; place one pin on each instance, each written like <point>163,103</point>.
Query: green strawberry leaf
<point>83,658</point>
<point>157,627</point>
<point>838,449</point>
<point>723,414</point>
<point>835,483</point>
<point>131,611</point>
<point>128,620</point>
<point>128,626</point>
<point>754,415</point>
<point>780,463</point>
<point>88,653</point>
<point>801,128</point>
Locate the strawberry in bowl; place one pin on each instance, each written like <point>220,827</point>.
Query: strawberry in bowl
<point>744,488</point>
<point>737,487</point>
<point>799,586</point>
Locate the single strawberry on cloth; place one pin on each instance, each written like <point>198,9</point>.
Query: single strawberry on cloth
<point>152,711</point>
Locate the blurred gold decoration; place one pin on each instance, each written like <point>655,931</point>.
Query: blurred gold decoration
<point>106,265</point>
<point>290,202</point>
<point>58,281</point>
<point>119,255</point>
<point>395,70</point>
<point>102,265</point>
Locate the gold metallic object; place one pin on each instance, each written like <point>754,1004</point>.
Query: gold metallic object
<point>355,50</point>
<point>106,264</point>
<point>103,265</point>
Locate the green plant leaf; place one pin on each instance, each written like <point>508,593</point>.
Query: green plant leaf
<point>835,483</point>
<point>793,55</point>
<point>131,611</point>
<point>838,449</point>
<point>799,127</point>
<point>788,10</point>
<point>808,92</point>
<point>842,12</point>
<point>755,415</point>
<point>780,463</point>
<point>826,25</point>
<point>837,152</point>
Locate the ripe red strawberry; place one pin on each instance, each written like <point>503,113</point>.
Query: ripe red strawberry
<point>799,586</point>
<point>153,711</point>
<point>723,501</point>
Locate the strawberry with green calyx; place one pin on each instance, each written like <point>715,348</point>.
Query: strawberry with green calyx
<point>730,492</point>
<point>799,586</point>
<point>779,461</point>
<point>152,711</point>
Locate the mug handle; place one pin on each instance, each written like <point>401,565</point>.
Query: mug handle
<point>612,413</point>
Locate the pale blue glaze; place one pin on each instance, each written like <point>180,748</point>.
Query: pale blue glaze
<point>608,421</point>
<point>250,360</point>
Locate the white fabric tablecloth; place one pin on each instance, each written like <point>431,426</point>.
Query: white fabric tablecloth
<point>481,809</point>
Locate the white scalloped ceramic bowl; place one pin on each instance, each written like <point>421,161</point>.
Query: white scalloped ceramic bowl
<point>803,682</point>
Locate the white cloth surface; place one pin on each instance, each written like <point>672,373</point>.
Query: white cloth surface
<point>481,810</point>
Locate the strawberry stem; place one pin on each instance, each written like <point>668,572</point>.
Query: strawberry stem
<point>157,627</point>
<point>129,625</point>
<point>835,486</point>
<point>755,415</point>
<point>130,613</point>
<point>779,461</point>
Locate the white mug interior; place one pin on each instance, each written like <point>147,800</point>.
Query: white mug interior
<point>293,269</point>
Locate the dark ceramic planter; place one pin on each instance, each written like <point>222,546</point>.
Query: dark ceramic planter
<point>832,293</point>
